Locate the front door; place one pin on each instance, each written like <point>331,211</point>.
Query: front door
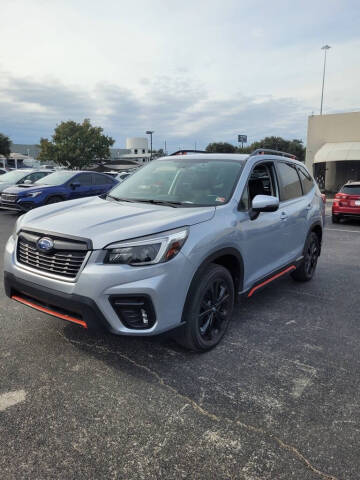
<point>262,239</point>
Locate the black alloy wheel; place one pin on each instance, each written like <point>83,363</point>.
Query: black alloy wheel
<point>305,271</point>
<point>208,309</point>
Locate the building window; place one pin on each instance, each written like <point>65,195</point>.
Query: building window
<point>135,151</point>
<point>143,150</point>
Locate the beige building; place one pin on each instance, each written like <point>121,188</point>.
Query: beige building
<point>333,149</point>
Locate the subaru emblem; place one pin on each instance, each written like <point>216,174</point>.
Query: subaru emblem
<point>45,244</point>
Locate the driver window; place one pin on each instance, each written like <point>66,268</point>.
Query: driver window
<point>261,182</point>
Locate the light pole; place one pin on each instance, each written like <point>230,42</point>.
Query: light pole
<point>325,48</point>
<point>150,132</point>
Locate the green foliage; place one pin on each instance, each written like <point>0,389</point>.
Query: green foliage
<point>5,144</point>
<point>294,147</point>
<point>76,145</point>
<point>220,147</point>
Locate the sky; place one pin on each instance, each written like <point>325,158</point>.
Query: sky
<point>194,71</point>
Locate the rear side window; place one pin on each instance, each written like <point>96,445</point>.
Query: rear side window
<point>102,180</point>
<point>83,179</point>
<point>290,186</point>
<point>306,180</point>
<point>351,189</point>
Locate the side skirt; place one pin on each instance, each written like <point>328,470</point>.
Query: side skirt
<point>270,278</point>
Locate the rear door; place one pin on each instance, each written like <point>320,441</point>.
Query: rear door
<point>294,210</point>
<point>102,183</point>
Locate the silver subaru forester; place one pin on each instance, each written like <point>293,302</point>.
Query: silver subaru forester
<point>172,247</point>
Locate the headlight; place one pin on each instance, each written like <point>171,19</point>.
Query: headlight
<point>147,251</point>
<point>32,194</point>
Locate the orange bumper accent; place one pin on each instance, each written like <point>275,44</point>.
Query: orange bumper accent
<point>287,270</point>
<point>49,311</point>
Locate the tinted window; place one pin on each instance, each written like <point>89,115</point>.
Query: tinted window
<point>33,177</point>
<point>290,186</point>
<point>261,182</point>
<point>351,189</point>
<point>102,180</point>
<point>84,179</point>
<point>306,180</point>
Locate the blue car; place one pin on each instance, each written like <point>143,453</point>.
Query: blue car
<point>56,187</point>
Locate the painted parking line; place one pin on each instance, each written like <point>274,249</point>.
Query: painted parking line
<point>341,230</point>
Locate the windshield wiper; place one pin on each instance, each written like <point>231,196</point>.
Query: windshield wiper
<point>167,203</point>
<point>121,199</point>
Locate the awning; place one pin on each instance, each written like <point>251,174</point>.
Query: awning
<point>337,152</point>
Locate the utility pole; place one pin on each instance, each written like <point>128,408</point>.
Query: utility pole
<point>325,48</point>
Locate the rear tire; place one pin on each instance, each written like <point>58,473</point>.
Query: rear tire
<point>54,199</point>
<point>335,219</point>
<point>208,309</point>
<point>307,267</point>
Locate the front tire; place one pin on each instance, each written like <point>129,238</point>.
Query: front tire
<point>208,309</point>
<point>307,267</point>
<point>54,199</point>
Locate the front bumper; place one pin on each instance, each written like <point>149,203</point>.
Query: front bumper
<point>90,297</point>
<point>22,206</point>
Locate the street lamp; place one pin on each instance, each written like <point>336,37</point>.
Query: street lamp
<point>150,132</point>
<point>325,48</point>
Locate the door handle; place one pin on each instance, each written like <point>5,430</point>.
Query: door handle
<point>283,216</point>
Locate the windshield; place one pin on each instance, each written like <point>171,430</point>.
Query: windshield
<point>14,176</point>
<point>56,178</point>
<point>351,189</point>
<point>183,182</point>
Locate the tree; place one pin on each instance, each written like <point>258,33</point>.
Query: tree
<point>220,147</point>
<point>5,144</point>
<point>76,145</point>
<point>294,147</point>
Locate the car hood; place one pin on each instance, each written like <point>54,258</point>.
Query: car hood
<point>18,189</point>
<point>106,221</point>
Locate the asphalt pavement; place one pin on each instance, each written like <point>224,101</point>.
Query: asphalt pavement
<point>277,399</point>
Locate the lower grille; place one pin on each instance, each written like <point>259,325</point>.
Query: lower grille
<point>65,259</point>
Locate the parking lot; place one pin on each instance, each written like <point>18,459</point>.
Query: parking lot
<point>277,399</point>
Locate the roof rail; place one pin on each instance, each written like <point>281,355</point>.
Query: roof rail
<point>264,151</point>
<point>185,152</point>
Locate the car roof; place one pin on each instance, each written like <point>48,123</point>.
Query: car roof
<point>231,156</point>
<point>352,183</point>
<point>208,156</point>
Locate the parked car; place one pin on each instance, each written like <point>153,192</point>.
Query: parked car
<point>347,202</point>
<point>120,177</point>
<point>2,171</point>
<point>173,255</point>
<point>56,187</point>
<point>20,176</point>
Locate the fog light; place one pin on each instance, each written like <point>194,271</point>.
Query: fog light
<point>135,312</point>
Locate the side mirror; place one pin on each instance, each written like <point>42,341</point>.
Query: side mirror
<point>263,203</point>
<point>75,185</point>
<point>27,182</point>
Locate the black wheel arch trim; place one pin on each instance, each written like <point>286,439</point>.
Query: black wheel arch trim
<point>227,251</point>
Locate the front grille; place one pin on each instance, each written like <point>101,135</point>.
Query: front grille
<point>65,259</point>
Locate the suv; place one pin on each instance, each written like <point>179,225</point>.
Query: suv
<point>347,202</point>
<point>170,248</point>
<point>56,187</point>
